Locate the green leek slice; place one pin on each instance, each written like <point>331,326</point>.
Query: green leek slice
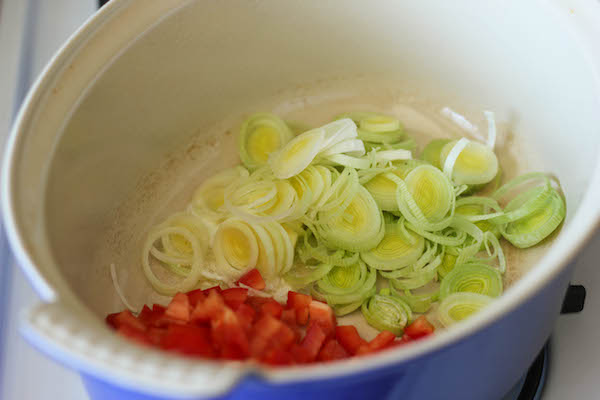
<point>458,306</point>
<point>261,135</point>
<point>395,250</point>
<point>304,274</point>
<point>431,152</point>
<point>474,278</point>
<point>346,287</point>
<point>535,227</point>
<point>418,302</point>
<point>427,198</point>
<point>387,312</point>
<point>358,227</point>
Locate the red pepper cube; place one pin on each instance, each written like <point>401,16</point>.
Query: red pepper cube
<point>234,297</point>
<point>272,307</point>
<point>189,340</point>
<point>323,315</point>
<point>331,351</point>
<point>419,328</point>
<point>254,279</point>
<point>349,338</point>
<point>179,308</point>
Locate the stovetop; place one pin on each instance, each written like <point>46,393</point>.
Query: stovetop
<point>30,32</point>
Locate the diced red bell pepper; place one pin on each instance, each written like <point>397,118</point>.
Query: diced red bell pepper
<point>179,308</point>
<point>125,318</point>
<point>228,336</point>
<point>277,356</point>
<point>134,334</point>
<point>265,330</point>
<point>254,279</point>
<point>381,341</point>
<point>245,315</point>
<point>349,338</point>
<point>155,335</point>
<point>189,339</point>
<point>332,350</point>
<point>311,344</point>
<point>299,302</point>
<point>323,315</point>
<point>234,297</point>
<point>419,328</point>
<point>209,309</point>
<point>272,307</point>
<point>288,317</point>
<point>152,317</point>
<point>196,296</point>
<point>257,302</point>
<point>284,337</point>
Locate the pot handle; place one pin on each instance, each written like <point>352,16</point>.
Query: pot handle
<point>574,299</point>
<point>73,336</point>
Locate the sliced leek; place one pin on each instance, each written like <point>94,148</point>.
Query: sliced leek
<point>346,287</point>
<point>431,152</point>
<point>387,312</point>
<point>359,227</point>
<point>261,135</point>
<point>297,154</point>
<point>535,227</point>
<point>330,210</point>
<point>395,250</point>
<point>384,189</point>
<point>418,302</point>
<point>304,274</point>
<point>474,278</point>
<point>236,247</point>
<point>468,162</point>
<point>458,306</point>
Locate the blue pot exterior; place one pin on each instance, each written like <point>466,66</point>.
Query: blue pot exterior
<point>484,365</point>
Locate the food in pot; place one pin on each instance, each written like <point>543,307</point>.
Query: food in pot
<point>344,214</point>
<point>230,324</point>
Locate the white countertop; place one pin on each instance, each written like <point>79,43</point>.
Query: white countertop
<point>575,354</point>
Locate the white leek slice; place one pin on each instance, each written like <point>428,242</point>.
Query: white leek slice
<point>348,161</point>
<point>261,135</point>
<point>468,162</point>
<point>210,195</point>
<point>297,154</point>
<point>392,155</point>
<point>194,273</point>
<point>235,246</point>
<point>338,131</point>
<point>350,147</point>
<point>491,120</point>
<point>459,306</point>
